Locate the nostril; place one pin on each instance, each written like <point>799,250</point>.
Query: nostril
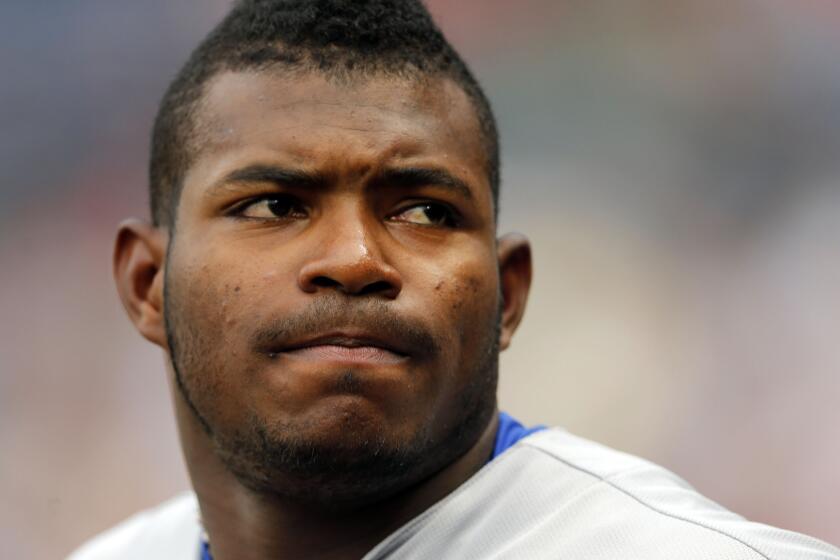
<point>379,281</point>
<point>325,282</point>
<point>376,288</point>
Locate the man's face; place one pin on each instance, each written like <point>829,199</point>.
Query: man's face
<point>332,288</point>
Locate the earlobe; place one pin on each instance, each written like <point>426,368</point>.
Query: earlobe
<point>514,252</point>
<point>139,257</point>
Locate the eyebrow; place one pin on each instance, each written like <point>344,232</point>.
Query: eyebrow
<point>401,177</point>
<point>291,178</point>
<point>408,177</point>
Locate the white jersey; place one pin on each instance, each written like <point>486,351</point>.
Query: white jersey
<point>550,496</point>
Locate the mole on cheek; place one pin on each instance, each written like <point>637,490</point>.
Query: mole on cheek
<point>474,284</point>
<point>458,295</point>
<point>466,290</point>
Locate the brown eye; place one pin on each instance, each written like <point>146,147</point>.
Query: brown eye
<point>427,214</point>
<point>271,208</point>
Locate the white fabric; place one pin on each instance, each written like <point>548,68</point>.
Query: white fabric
<point>551,496</point>
<point>169,531</point>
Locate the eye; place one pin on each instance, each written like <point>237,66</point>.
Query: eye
<point>427,214</point>
<point>270,207</point>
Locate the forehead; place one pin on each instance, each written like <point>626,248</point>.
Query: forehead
<point>311,120</point>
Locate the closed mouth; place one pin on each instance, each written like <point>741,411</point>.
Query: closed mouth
<point>344,347</point>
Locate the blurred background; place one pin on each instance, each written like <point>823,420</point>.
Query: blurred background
<point>675,163</point>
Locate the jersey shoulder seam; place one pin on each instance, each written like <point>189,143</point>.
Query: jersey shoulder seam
<point>609,480</point>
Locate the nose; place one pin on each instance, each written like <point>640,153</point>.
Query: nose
<point>348,259</point>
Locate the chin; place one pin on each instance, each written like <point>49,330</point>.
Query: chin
<point>338,420</point>
<point>345,453</point>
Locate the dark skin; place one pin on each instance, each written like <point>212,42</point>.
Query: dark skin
<point>333,278</point>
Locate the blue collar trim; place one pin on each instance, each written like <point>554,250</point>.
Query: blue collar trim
<point>510,431</point>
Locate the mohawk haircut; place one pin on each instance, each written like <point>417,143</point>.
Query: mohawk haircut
<point>341,39</point>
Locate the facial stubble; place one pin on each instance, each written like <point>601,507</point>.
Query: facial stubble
<point>273,458</point>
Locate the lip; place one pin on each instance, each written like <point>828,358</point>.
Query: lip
<point>345,354</point>
<point>345,347</point>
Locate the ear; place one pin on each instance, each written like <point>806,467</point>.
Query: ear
<point>139,257</point>
<point>514,252</point>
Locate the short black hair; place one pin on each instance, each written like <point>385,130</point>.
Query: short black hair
<point>340,38</point>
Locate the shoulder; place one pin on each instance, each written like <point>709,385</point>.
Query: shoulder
<point>630,499</point>
<point>553,495</point>
<point>169,531</point>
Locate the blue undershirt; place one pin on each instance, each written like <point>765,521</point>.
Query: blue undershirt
<point>510,431</point>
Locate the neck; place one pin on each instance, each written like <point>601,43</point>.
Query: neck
<point>246,525</point>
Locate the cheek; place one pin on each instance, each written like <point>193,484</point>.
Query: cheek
<point>230,286</point>
<point>468,301</point>
<point>214,301</point>
<point>210,295</point>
